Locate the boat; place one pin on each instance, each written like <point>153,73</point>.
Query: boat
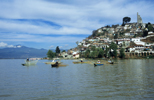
<point>55,65</point>
<point>98,64</point>
<point>79,62</point>
<point>30,62</point>
<point>110,62</point>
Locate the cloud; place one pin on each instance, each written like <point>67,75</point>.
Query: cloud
<point>39,20</point>
<point>51,46</point>
<point>3,45</point>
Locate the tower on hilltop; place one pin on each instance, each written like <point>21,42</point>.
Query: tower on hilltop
<point>139,19</point>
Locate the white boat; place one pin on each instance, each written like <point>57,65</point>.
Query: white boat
<point>30,62</point>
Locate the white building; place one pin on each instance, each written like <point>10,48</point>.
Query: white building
<point>138,41</point>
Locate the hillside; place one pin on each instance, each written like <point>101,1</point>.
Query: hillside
<point>22,52</point>
<point>148,40</point>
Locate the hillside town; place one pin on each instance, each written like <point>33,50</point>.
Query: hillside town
<point>137,39</point>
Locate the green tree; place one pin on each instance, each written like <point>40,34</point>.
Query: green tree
<point>50,54</point>
<point>145,33</point>
<point>113,49</point>
<point>93,48</point>
<point>107,52</point>
<point>149,27</point>
<point>63,51</point>
<point>115,36</point>
<point>122,53</point>
<point>126,20</point>
<point>87,53</point>
<point>93,54</point>
<point>57,49</point>
<point>101,53</point>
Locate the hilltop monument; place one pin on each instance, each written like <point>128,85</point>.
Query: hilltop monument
<point>140,24</point>
<point>139,19</point>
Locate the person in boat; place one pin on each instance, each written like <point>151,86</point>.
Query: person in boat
<point>98,61</point>
<point>109,61</point>
<point>56,63</point>
<point>53,60</point>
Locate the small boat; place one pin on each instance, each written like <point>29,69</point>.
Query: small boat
<point>98,64</point>
<point>55,65</point>
<point>79,62</point>
<point>30,62</point>
<point>110,61</point>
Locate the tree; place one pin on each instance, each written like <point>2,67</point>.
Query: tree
<point>107,52</point>
<point>57,49</point>
<point>93,48</point>
<point>101,53</point>
<point>94,33</point>
<point>87,53</point>
<point>50,54</point>
<point>93,54</point>
<point>115,36</point>
<point>126,20</point>
<point>150,27</point>
<point>113,49</point>
<point>63,51</point>
<point>122,54</point>
<point>145,33</point>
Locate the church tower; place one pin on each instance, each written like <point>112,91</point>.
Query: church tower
<point>139,19</point>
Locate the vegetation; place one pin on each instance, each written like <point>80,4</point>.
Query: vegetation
<point>115,36</point>
<point>63,51</point>
<point>126,20</point>
<point>87,53</point>
<point>101,53</point>
<point>94,52</point>
<point>57,49</point>
<point>149,27</point>
<point>145,33</point>
<point>50,54</point>
<point>122,54</point>
<point>113,49</point>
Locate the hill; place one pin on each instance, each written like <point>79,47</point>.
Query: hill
<point>22,52</point>
<point>148,39</point>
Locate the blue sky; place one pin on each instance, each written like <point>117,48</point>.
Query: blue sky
<point>51,23</point>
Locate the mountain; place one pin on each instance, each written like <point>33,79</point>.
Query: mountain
<point>22,52</point>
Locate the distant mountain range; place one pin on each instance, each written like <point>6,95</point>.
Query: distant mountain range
<point>22,52</point>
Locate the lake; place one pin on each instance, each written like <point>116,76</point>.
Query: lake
<point>126,79</point>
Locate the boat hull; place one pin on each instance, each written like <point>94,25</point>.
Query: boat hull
<point>98,64</point>
<point>79,62</point>
<point>29,63</point>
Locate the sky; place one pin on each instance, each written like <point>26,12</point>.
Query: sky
<point>51,23</point>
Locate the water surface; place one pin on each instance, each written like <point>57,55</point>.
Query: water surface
<point>126,79</point>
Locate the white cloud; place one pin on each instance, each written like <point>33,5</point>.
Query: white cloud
<point>79,17</point>
<point>2,44</point>
<point>51,46</point>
